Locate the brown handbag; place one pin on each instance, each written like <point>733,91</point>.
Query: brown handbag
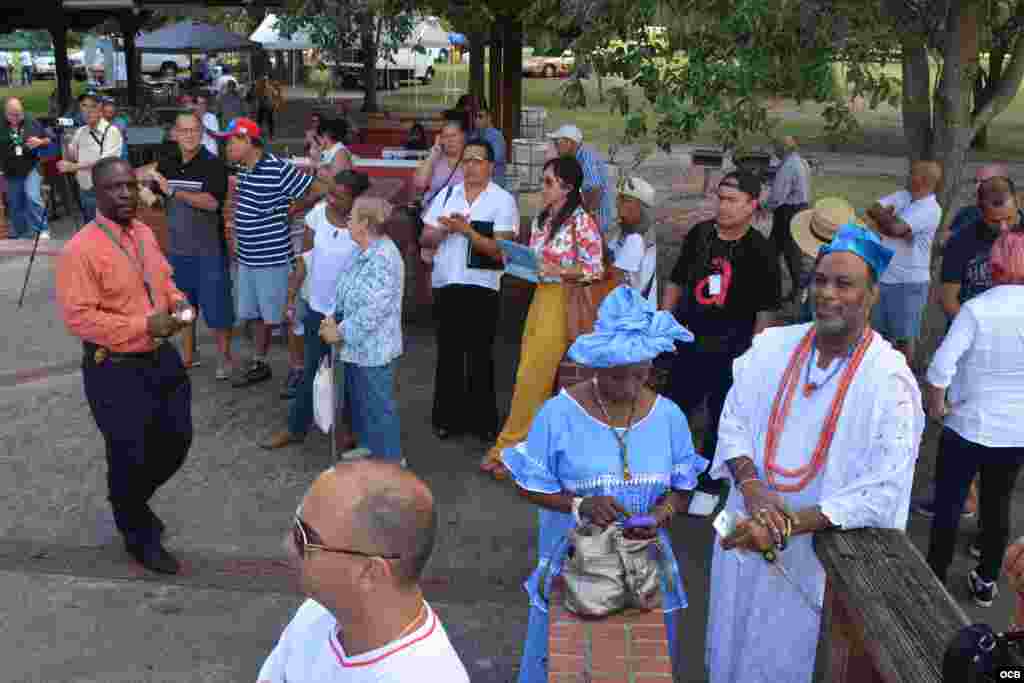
<point>584,298</point>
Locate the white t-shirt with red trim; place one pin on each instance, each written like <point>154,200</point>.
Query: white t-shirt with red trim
<point>309,651</point>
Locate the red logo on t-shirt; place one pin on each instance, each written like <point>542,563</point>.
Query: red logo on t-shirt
<point>724,269</point>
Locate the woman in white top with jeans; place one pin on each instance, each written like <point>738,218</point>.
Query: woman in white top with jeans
<point>332,251</point>
<point>981,362</point>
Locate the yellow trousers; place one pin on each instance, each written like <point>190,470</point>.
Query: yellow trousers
<point>545,341</point>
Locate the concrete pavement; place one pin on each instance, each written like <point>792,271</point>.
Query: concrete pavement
<point>73,607</point>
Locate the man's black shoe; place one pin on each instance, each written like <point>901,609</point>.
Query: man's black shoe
<point>155,558</point>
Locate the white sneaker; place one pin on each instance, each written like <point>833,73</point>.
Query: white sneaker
<point>44,235</point>
<point>355,454</point>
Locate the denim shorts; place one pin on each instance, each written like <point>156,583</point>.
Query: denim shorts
<point>897,315</point>
<point>263,293</point>
<point>206,281</point>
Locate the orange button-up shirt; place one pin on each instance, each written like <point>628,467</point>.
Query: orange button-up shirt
<point>101,292</point>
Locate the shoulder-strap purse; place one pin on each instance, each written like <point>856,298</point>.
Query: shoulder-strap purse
<point>593,574</point>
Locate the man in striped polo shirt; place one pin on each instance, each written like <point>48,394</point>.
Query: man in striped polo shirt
<point>266,190</point>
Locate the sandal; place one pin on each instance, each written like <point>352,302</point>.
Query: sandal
<point>492,465</point>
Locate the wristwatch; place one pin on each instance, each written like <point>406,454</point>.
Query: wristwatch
<point>173,192</point>
<point>576,503</point>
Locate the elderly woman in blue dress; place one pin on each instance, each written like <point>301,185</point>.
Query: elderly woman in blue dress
<point>367,328</point>
<point>605,449</point>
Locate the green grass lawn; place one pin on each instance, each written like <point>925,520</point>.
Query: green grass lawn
<point>36,97</point>
<point>1006,137</point>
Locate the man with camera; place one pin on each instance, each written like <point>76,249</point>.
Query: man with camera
<point>20,137</point>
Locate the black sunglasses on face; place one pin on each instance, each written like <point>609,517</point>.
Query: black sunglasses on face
<point>302,531</point>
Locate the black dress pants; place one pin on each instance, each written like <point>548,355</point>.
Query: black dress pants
<point>466,317</point>
<point>958,461</point>
<point>144,411</point>
<point>698,374</point>
<point>782,240</point>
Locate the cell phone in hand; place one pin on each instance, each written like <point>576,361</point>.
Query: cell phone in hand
<point>702,504</point>
<point>640,522</point>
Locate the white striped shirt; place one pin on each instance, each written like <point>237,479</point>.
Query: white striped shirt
<point>261,216</point>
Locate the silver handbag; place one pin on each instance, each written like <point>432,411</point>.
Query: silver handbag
<point>608,572</point>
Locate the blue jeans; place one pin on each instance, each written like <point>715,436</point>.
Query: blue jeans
<point>88,201</point>
<point>300,413</point>
<point>25,206</point>
<point>371,403</point>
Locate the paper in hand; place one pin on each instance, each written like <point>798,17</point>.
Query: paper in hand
<point>725,523</point>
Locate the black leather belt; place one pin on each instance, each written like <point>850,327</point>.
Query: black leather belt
<point>97,355</point>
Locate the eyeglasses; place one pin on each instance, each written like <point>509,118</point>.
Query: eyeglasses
<point>302,532</point>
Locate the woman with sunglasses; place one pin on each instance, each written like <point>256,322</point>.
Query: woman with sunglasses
<point>569,248</point>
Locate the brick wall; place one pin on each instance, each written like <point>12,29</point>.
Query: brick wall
<point>630,647</point>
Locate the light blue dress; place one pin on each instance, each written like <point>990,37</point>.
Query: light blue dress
<point>569,450</point>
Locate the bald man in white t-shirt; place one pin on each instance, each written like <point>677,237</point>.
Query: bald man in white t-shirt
<point>361,538</point>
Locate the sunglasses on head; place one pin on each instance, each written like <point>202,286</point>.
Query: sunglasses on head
<point>302,532</point>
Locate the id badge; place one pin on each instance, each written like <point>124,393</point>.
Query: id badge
<point>17,151</point>
<point>715,284</point>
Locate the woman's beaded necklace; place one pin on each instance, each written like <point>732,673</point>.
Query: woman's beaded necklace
<point>780,411</point>
<point>621,438</point>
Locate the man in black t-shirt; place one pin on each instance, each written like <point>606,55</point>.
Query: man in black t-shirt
<point>724,288</point>
<point>20,139</point>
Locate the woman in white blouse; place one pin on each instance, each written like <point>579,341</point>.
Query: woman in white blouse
<point>981,363</point>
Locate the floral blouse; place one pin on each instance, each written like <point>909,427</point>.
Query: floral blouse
<point>563,252</point>
<point>369,306</point>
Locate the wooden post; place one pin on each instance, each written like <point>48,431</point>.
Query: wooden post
<point>512,77</point>
<point>477,45</point>
<point>59,34</point>
<point>129,26</point>
<point>886,618</point>
<point>495,93</point>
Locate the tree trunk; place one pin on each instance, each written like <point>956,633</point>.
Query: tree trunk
<point>494,90</point>
<point>477,48</point>
<point>369,46</point>
<point>129,25</point>
<point>917,103</point>
<point>600,85</point>
<point>953,129</point>
<point>512,71</point>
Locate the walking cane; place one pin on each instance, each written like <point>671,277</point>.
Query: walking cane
<point>28,271</point>
<point>334,422</point>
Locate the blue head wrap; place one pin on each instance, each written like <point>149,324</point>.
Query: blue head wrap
<point>858,240</point>
<point>628,330</point>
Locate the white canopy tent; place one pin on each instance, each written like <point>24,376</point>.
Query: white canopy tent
<point>270,38</point>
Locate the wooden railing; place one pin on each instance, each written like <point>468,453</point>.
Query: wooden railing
<point>887,619</point>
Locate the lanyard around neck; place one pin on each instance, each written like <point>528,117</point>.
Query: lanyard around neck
<point>139,262</point>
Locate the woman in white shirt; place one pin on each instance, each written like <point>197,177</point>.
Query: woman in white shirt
<point>334,155</point>
<point>981,362</point>
<point>633,250</point>
<point>331,251</point>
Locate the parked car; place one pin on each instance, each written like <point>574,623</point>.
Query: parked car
<point>153,64</point>
<point>550,66</point>
<point>44,66</point>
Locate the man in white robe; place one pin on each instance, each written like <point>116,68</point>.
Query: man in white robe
<point>763,627</point>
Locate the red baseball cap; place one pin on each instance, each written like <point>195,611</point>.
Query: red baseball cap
<point>241,126</point>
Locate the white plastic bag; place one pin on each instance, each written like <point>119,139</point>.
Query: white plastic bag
<point>323,394</point>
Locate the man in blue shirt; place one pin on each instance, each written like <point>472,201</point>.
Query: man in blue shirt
<point>969,215</point>
<point>485,130</point>
<point>597,191</point>
<point>790,194</point>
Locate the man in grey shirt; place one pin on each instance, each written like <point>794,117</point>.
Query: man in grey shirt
<point>791,194</point>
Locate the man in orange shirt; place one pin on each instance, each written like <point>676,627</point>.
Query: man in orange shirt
<point>115,292</point>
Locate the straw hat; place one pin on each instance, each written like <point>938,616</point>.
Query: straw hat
<point>815,227</point>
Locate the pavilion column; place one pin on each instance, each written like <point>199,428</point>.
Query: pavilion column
<point>512,73</point>
<point>477,48</point>
<point>494,94</point>
<point>59,35</point>
<point>130,24</point>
